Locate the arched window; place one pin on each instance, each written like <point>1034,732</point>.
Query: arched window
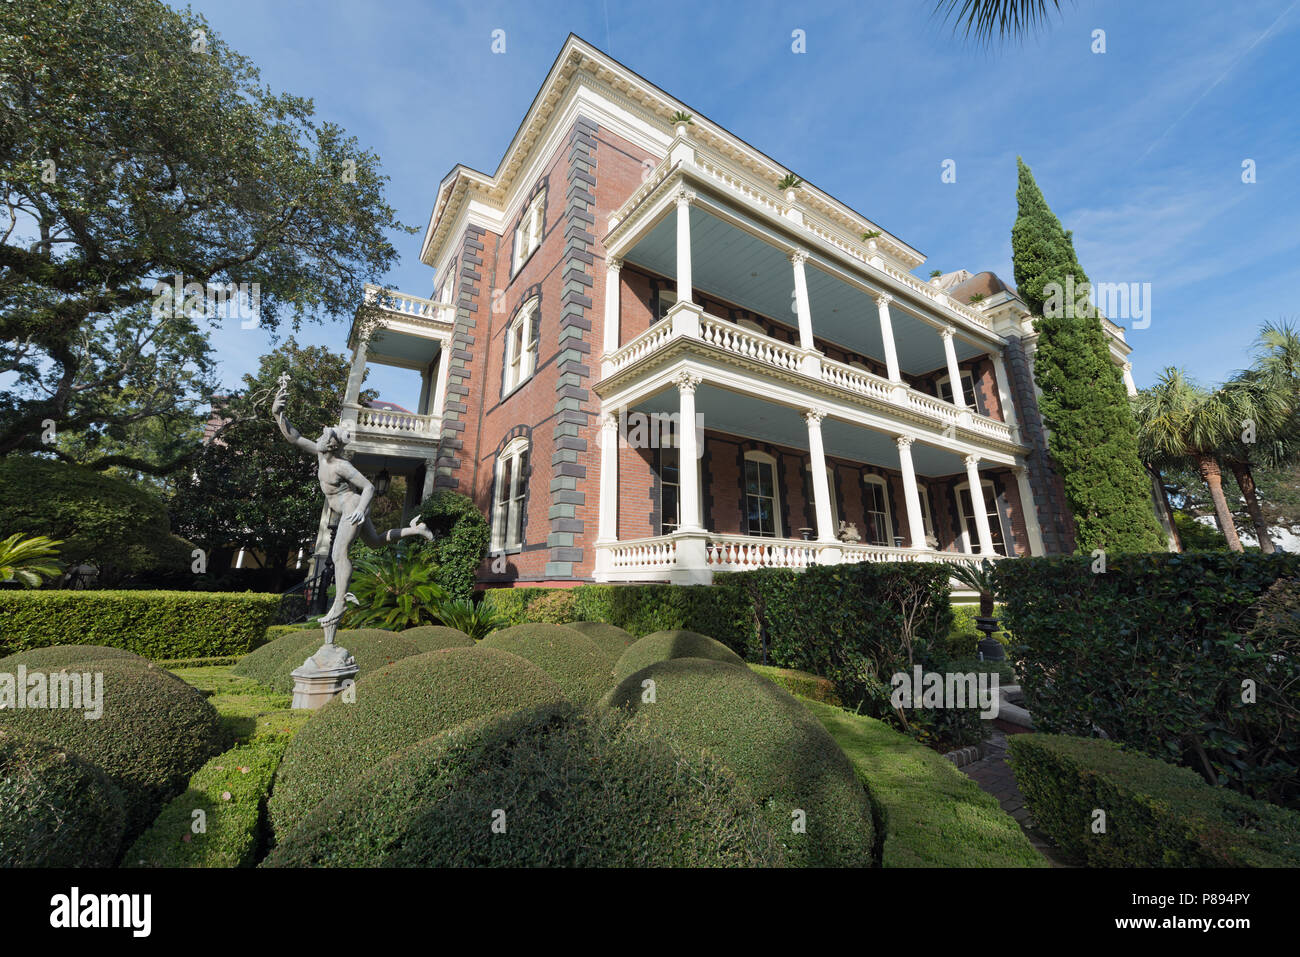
<point>511,488</point>
<point>521,347</point>
<point>970,535</point>
<point>762,497</point>
<point>880,523</point>
<point>528,234</point>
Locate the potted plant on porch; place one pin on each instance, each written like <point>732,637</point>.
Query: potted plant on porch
<point>979,577</point>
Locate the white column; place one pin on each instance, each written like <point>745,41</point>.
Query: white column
<point>440,386</point>
<point>915,523</point>
<point>887,336</point>
<point>802,308</point>
<point>821,487</point>
<point>607,528</point>
<point>356,374</point>
<point>978,505</point>
<point>613,269</point>
<point>1129,384</point>
<point>684,288</point>
<point>688,453</point>
<point>426,383</point>
<point>1030,509</point>
<point>1004,389</point>
<point>954,372</point>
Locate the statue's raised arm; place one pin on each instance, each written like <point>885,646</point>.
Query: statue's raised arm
<point>282,420</point>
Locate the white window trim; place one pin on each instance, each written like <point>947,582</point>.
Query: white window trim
<point>519,368</point>
<point>528,234</point>
<point>507,510</point>
<point>884,497</point>
<point>969,536</point>
<point>777,531</point>
<point>971,400</point>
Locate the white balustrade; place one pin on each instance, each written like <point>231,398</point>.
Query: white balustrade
<point>644,555</point>
<point>856,380</point>
<point>414,306</point>
<point>392,422</point>
<point>740,341</point>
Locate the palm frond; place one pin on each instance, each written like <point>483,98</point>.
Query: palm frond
<point>985,20</point>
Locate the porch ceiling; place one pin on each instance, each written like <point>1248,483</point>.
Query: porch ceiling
<point>737,266</point>
<point>750,417</point>
<point>391,347</point>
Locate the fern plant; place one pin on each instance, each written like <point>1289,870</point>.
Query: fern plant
<point>29,560</point>
<point>477,621</point>
<point>395,592</point>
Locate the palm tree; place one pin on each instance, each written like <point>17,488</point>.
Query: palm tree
<point>28,560</point>
<point>1179,422</point>
<point>986,19</point>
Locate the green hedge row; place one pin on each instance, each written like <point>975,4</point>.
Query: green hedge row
<point>1156,814</point>
<point>1158,652</point>
<point>155,624</point>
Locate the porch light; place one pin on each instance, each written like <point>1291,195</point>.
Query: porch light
<point>382,481</point>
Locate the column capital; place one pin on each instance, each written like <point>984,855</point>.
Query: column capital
<point>1019,471</point>
<point>685,197</point>
<point>798,256</point>
<point>687,381</point>
<point>614,265</point>
<point>883,300</point>
<point>904,441</point>
<point>814,416</point>
<point>971,461</point>
<point>1127,367</point>
<point>947,333</point>
<point>609,421</point>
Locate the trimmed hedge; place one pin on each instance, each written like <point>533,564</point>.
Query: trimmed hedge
<point>566,782</point>
<point>437,637</point>
<point>59,810</point>
<point>799,683</point>
<point>394,707</point>
<point>56,656</point>
<point>612,639</point>
<point>930,814</point>
<point>772,743</point>
<point>155,624</point>
<point>582,670</point>
<point>1153,653</point>
<point>667,645</point>
<point>371,647</point>
<point>1157,815</point>
<point>231,791</point>
<point>272,659</point>
<point>155,730</point>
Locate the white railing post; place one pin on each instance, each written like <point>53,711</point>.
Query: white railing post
<point>915,524</point>
<point>978,506</point>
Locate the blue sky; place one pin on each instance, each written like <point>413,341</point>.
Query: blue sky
<point>1138,150</point>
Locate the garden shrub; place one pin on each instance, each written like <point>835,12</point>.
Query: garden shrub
<point>59,810</point>
<point>612,639</point>
<point>963,636</point>
<point>273,657</point>
<point>428,805</point>
<point>56,656</point>
<point>438,637</point>
<point>231,790</point>
<point>154,731</point>
<point>394,707</point>
<point>582,670</point>
<point>770,742</point>
<point>667,645</point>
<point>799,683</point>
<point>556,606</point>
<point>155,624</point>
<point>460,540</point>
<point>371,647</point>
<point>1157,814</point>
<point>929,813</point>
<point>1153,654</point>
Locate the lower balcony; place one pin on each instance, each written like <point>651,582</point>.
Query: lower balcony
<point>384,431</point>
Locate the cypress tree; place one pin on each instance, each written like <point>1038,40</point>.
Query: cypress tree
<point>1084,404</point>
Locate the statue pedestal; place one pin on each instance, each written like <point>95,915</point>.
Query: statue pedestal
<point>322,676</point>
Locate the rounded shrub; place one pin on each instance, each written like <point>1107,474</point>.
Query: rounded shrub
<point>154,731</point>
<point>612,639</point>
<point>59,810</point>
<point>667,645</point>
<point>371,647</point>
<point>576,662</point>
<point>56,656</point>
<point>566,781</point>
<point>392,708</point>
<point>773,745</point>
<point>437,637</point>
<point>264,662</point>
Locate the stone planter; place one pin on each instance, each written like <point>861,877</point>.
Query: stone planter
<point>990,649</point>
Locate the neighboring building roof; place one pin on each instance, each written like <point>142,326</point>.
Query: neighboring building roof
<point>987,284</point>
<point>384,406</point>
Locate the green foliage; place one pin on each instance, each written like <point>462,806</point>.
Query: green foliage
<point>155,624</point>
<point>460,540</point>
<point>394,592</point>
<point>682,117</point>
<point>799,683</point>
<point>477,620</point>
<point>565,780</point>
<point>231,791</point>
<point>28,561</point>
<point>667,645</point>
<point>59,810</point>
<point>437,637</point>
<point>792,767</point>
<point>1157,815</point>
<point>1198,536</point>
<point>102,521</point>
<point>611,639</point>
<point>556,606</point>
<point>789,181</point>
<point>576,662</point>
<point>395,707</point>
<point>1153,653</point>
<point>1093,436</point>
<point>963,636</point>
<point>930,814</point>
<point>53,657</point>
<point>154,731</point>
<point>272,665</point>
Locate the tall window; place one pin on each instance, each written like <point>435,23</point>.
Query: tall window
<point>665,299</point>
<point>967,389</point>
<point>528,234</point>
<point>762,501</point>
<point>670,489</point>
<point>880,526</point>
<point>521,347</point>
<point>511,488</point>
<point>970,535</point>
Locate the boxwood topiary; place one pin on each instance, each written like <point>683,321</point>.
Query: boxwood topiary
<point>371,647</point>
<point>59,810</point>
<point>771,743</point>
<point>565,781</point>
<point>577,663</point>
<point>394,707</point>
<point>56,656</point>
<point>667,645</point>
<point>437,637</point>
<point>154,732</point>
<point>612,639</point>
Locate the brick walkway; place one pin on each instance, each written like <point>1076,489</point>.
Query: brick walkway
<point>993,774</point>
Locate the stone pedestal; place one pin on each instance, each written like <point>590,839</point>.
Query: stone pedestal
<point>322,676</point>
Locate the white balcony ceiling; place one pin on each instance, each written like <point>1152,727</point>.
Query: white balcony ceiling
<point>388,346</point>
<point>736,266</point>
